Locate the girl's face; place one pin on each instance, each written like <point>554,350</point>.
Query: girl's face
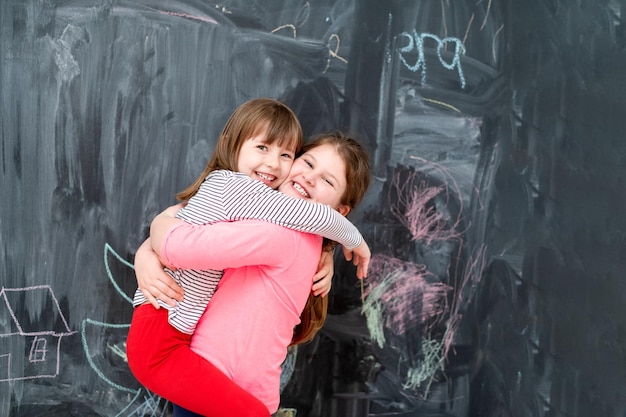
<point>269,163</point>
<point>319,175</point>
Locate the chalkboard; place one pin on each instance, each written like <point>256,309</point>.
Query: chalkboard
<point>496,216</point>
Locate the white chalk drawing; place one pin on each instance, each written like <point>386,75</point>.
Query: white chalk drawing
<point>416,42</point>
<point>19,334</point>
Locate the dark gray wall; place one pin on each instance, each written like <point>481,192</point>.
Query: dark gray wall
<point>496,218</point>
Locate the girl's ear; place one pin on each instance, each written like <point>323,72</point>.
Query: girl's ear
<point>343,209</point>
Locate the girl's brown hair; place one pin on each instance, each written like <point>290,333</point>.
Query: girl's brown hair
<point>249,119</point>
<point>356,159</point>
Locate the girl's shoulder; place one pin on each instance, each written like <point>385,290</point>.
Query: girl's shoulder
<point>222,173</point>
<point>232,179</point>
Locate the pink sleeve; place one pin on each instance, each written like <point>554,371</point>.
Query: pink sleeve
<point>224,245</point>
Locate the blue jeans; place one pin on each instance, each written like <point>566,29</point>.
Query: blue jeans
<point>181,412</point>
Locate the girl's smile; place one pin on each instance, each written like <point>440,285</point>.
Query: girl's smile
<point>320,176</point>
<point>268,163</point>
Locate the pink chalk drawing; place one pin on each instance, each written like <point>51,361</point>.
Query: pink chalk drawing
<point>402,292</point>
<point>398,298</point>
<point>416,207</point>
<point>30,348</point>
<point>404,301</point>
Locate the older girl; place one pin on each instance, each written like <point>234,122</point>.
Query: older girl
<point>250,321</point>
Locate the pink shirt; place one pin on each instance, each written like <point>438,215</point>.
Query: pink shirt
<point>249,322</point>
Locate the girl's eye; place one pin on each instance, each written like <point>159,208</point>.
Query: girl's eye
<point>262,147</point>
<point>329,182</point>
<point>288,156</point>
<point>308,163</point>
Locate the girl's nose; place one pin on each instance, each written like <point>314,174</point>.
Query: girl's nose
<point>271,161</point>
<point>309,177</point>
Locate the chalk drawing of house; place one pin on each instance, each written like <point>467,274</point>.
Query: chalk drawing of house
<point>31,329</point>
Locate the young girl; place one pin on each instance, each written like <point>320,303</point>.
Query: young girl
<point>259,140</point>
<point>247,326</point>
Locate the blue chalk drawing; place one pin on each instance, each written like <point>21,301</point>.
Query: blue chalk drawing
<point>416,42</point>
<point>142,403</point>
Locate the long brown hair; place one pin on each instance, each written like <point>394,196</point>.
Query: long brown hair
<point>249,119</point>
<point>314,313</point>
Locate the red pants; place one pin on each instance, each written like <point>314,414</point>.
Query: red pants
<point>160,358</point>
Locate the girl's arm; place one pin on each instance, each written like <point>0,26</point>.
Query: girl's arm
<point>165,222</point>
<point>213,246</point>
<point>161,225</point>
<point>224,244</point>
<point>230,196</point>
<point>360,257</point>
<point>245,198</point>
<point>153,282</point>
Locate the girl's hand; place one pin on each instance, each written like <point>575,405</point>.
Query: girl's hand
<point>360,256</point>
<point>323,278</point>
<point>161,225</point>
<point>172,210</point>
<point>152,280</point>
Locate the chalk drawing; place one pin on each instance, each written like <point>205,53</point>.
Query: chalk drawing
<point>432,363</point>
<point>404,300</point>
<point>441,103</point>
<point>89,356</point>
<point>190,16</point>
<point>108,250</point>
<point>288,26</point>
<point>426,222</point>
<point>486,16</point>
<point>494,42</point>
<point>43,340</point>
<point>394,287</point>
<point>142,403</point>
<point>467,30</point>
<point>149,406</point>
<point>303,16</point>
<point>465,288</point>
<point>333,44</point>
<point>416,42</point>
<point>399,297</point>
<point>38,350</point>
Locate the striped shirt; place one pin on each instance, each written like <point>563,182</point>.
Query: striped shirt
<point>231,196</point>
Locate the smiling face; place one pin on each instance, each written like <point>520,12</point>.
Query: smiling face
<point>319,175</point>
<point>269,163</point>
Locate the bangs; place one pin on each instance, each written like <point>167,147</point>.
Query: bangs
<point>288,135</point>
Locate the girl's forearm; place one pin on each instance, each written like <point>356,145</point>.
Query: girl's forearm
<point>159,228</point>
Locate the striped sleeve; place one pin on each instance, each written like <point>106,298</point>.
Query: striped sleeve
<point>206,206</point>
<point>245,198</point>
